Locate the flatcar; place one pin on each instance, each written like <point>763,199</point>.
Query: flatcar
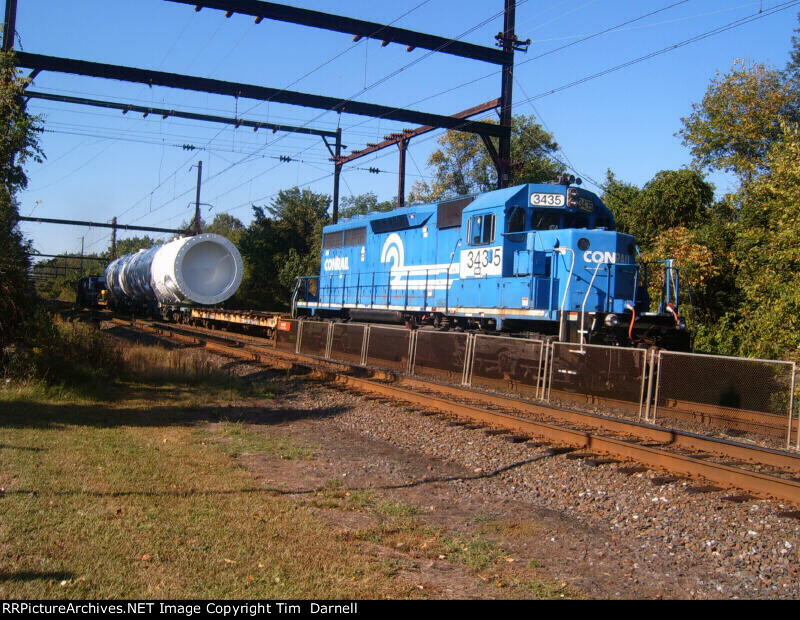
<point>169,280</point>
<point>535,259</point>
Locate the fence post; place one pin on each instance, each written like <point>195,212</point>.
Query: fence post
<point>329,340</point>
<point>658,385</point>
<point>412,351</point>
<point>299,336</point>
<point>552,354</point>
<point>791,409</point>
<point>365,345</point>
<point>468,353</point>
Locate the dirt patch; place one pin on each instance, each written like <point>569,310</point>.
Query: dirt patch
<point>564,553</point>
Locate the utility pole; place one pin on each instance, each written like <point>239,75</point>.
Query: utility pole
<point>507,38</point>
<point>10,25</point>
<point>401,176</point>
<point>196,226</point>
<point>114,237</point>
<point>337,173</point>
<point>82,238</point>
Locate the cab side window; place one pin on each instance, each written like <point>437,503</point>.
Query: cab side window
<point>481,229</point>
<point>516,220</point>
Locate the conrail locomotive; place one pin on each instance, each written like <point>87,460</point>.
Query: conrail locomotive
<point>540,259</point>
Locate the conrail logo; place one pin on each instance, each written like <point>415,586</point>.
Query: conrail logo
<point>337,263</point>
<point>606,257</point>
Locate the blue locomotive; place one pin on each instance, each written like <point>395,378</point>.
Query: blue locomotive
<point>539,259</point>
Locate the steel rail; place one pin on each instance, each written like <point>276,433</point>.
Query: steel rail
<point>408,390</point>
<point>641,430</point>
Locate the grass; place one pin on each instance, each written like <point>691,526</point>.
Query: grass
<point>138,492</point>
<point>141,496</point>
<point>236,439</point>
<point>399,527</point>
<point>144,510</point>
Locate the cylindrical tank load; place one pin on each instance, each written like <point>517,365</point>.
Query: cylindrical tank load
<point>204,269</point>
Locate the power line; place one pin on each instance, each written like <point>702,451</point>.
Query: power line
<point>730,26</point>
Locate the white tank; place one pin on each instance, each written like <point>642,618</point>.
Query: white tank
<point>204,269</point>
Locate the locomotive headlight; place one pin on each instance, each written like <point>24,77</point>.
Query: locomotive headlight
<point>612,320</point>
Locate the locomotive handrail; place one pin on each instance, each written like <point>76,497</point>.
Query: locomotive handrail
<point>562,251</point>
<point>582,331</point>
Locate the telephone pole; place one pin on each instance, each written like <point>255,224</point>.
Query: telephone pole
<point>196,225</point>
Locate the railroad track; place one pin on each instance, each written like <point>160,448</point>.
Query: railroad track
<point>755,470</point>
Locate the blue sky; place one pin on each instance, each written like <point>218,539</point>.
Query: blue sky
<point>102,164</point>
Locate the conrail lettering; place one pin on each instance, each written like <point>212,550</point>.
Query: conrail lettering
<point>606,257</point>
<point>337,263</point>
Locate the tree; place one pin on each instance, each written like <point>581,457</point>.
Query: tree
<point>739,119</point>
<point>463,166</point>
<point>226,225</point>
<point>620,198</point>
<point>767,255</point>
<point>282,243</point>
<point>792,71</point>
<point>133,244</point>
<point>671,198</point>
<point>18,145</point>
<point>363,204</point>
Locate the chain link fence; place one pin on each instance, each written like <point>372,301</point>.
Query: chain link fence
<point>388,347</point>
<point>722,396</point>
<point>440,355</point>
<point>347,342</point>
<point>601,379</point>
<point>314,338</point>
<point>508,365</point>
<point>731,396</point>
<point>286,335</point>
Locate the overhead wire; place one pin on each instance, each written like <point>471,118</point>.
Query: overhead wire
<point>702,36</point>
<point>260,103</point>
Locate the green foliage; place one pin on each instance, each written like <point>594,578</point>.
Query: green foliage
<point>792,71</point>
<point>282,243</point>
<point>620,197</point>
<point>671,198</point>
<point>738,120</point>
<point>767,255</point>
<point>226,225</point>
<point>674,216</point>
<point>463,166</point>
<point>18,145</point>
<point>362,204</point>
<point>134,244</point>
<point>57,278</point>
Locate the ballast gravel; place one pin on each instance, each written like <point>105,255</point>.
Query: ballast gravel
<point>712,546</point>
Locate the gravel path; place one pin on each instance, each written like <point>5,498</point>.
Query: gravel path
<point>720,548</point>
